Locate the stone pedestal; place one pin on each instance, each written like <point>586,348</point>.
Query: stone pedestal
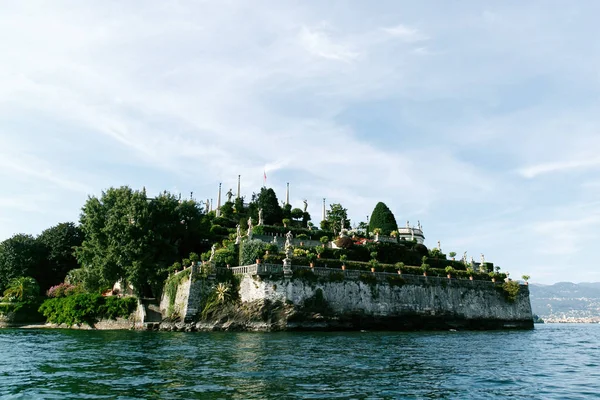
<point>287,268</point>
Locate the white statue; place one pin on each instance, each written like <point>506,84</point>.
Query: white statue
<point>407,224</point>
<point>464,257</point>
<point>305,204</point>
<point>260,217</point>
<point>439,246</point>
<point>482,259</point>
<point>250,228</point>
<point>212,252</point>
<point>419,225</point>
<point>238,237</point>
<point>229,195</point>
<point>288,245</point>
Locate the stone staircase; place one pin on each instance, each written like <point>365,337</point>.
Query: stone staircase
<point>152,309</point>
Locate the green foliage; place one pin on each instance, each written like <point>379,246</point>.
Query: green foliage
<point>319,249</point>
<point>258,230</point>
<point>395,280</point>
<point>64,290</point>
<point>60,242</point>
<point>511,290</point>
<point>267,200</point>
<point>383,218</point>
<point>226,256</point>
<point>172,284</point>
<point>334,217</point>
<point>452,254</point>
<point>324,239</point>
<point>22,289</point>
<point>21,255</point>
<point>220,295</point>
<point>86,308</point>
<point>194,257</point>
<point>302,236</point>
<point>251,250</point>
<point>526,277</point>
<point>369,279</point>
<point>305,274</point>
<point>218,230</point>
<point>128,236</point>
<point>297,213</point>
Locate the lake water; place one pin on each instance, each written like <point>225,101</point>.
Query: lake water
<point>553,361</point>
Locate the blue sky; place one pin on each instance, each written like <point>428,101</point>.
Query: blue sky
<point>480,119</point>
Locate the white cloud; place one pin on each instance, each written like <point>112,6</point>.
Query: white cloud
<point>534,171</point>
<point>355,105</point>
<point>405,33</point>
<point>320,44</point>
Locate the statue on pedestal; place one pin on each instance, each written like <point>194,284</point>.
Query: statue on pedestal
<point>250,228</point>
<point>305,204</point>
<point>260,217</point>
<point>288,245</point>
<point>482,259</point>
<point>439,246</point>
<point>229,195</point>
<point>212,252</point>
<point>238,237</point>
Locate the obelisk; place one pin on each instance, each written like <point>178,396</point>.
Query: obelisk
<point>324,209</point>
<point>219,202</point>
<point>287,194</point>
<point>239,179</point>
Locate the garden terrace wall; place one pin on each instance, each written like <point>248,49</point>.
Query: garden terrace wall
<point>411,302</point>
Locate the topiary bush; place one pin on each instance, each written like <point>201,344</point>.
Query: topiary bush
<point>383,218</point>
<point>251,250</point>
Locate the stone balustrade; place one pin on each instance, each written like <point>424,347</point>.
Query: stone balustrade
<point>277,269</point>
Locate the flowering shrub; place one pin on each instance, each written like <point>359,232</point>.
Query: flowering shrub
<point>63,290</point>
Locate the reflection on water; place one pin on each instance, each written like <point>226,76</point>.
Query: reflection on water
<point>553,361</point>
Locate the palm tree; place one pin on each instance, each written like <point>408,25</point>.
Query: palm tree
<point>22,289</point>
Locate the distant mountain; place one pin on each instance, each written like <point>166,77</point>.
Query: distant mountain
<point>566,301</point>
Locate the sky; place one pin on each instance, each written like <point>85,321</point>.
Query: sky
<point>478,119</point>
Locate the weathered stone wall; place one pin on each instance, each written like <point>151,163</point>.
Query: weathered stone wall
<point>465,303</point>
<point>180,303</point>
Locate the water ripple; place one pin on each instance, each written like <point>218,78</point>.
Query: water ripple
<point>551,362</point>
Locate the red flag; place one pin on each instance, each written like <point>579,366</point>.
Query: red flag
<point>265,178</point>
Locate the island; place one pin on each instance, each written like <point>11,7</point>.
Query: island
<point>168,263</point>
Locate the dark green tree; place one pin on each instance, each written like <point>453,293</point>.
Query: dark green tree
<point>383,218</point>
<point>267,200</point>
<point>334,217</point>
<point>60,242</point>
<point>227,210</point>
<point>296,213</point>
<point>128,236</point>
<point>21,255</point>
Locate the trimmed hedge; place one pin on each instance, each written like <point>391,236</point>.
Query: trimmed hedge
<point>280,230</point>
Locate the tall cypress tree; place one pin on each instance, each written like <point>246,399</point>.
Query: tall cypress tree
<point>383,218</point>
